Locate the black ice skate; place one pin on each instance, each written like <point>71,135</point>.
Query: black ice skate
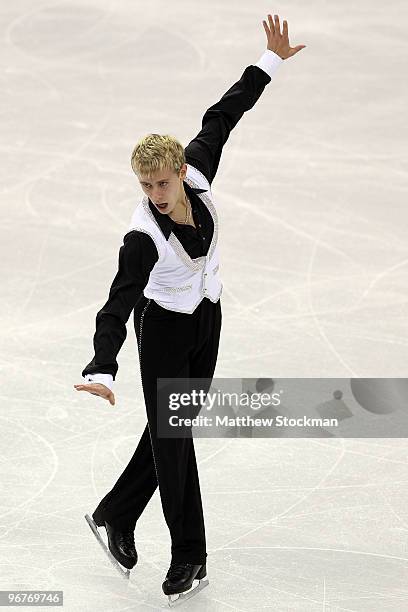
<point>183,580</point>
<point>121,549</point>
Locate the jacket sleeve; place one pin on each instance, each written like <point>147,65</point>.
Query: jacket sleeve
<point>204,151</point>
<point>137,257</point>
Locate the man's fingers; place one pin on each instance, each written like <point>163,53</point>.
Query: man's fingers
<point>90,386</point>
<point>277,25</point>
<point>271,24</point>
<point>285,29</point>
<point>296,49</point>
<point>95,389</point>
<point>98,389</point>
<point>267,30</point>
<point>84,387</point>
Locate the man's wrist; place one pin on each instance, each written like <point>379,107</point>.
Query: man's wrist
<point>104,379</point>
<point>269,62</point>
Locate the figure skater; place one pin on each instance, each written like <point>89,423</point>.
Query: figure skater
<point>169,276</point>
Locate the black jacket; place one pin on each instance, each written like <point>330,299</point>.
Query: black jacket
<point>138,253</point>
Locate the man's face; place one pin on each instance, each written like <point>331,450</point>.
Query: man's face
<point>164,188</point>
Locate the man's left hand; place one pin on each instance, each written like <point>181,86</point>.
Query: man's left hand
<point>277,42</point>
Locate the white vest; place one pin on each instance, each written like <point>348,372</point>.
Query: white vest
<point>176,281</point>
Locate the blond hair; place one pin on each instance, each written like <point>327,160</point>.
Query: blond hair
<point>156,152</point>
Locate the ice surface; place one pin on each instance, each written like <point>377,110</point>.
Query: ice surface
<point>311,194</point>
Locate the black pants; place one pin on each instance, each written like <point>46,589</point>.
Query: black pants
<point>179,345</point>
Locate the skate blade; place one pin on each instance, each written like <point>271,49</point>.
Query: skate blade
<point>179,598</point>
<point>124,573</point>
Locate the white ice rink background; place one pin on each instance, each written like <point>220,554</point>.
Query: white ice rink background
<point>313,183</point>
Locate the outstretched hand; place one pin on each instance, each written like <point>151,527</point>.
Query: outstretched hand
<point>277,42</point>
<point>98,389</point>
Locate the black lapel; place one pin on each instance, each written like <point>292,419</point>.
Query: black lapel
<point>165,223</point>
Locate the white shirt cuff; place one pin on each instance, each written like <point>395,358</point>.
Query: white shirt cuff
<point>269,62</point>
<point>104,379</point>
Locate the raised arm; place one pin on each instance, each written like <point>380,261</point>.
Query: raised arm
<point>137,256</point>
<point>204,151</point>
